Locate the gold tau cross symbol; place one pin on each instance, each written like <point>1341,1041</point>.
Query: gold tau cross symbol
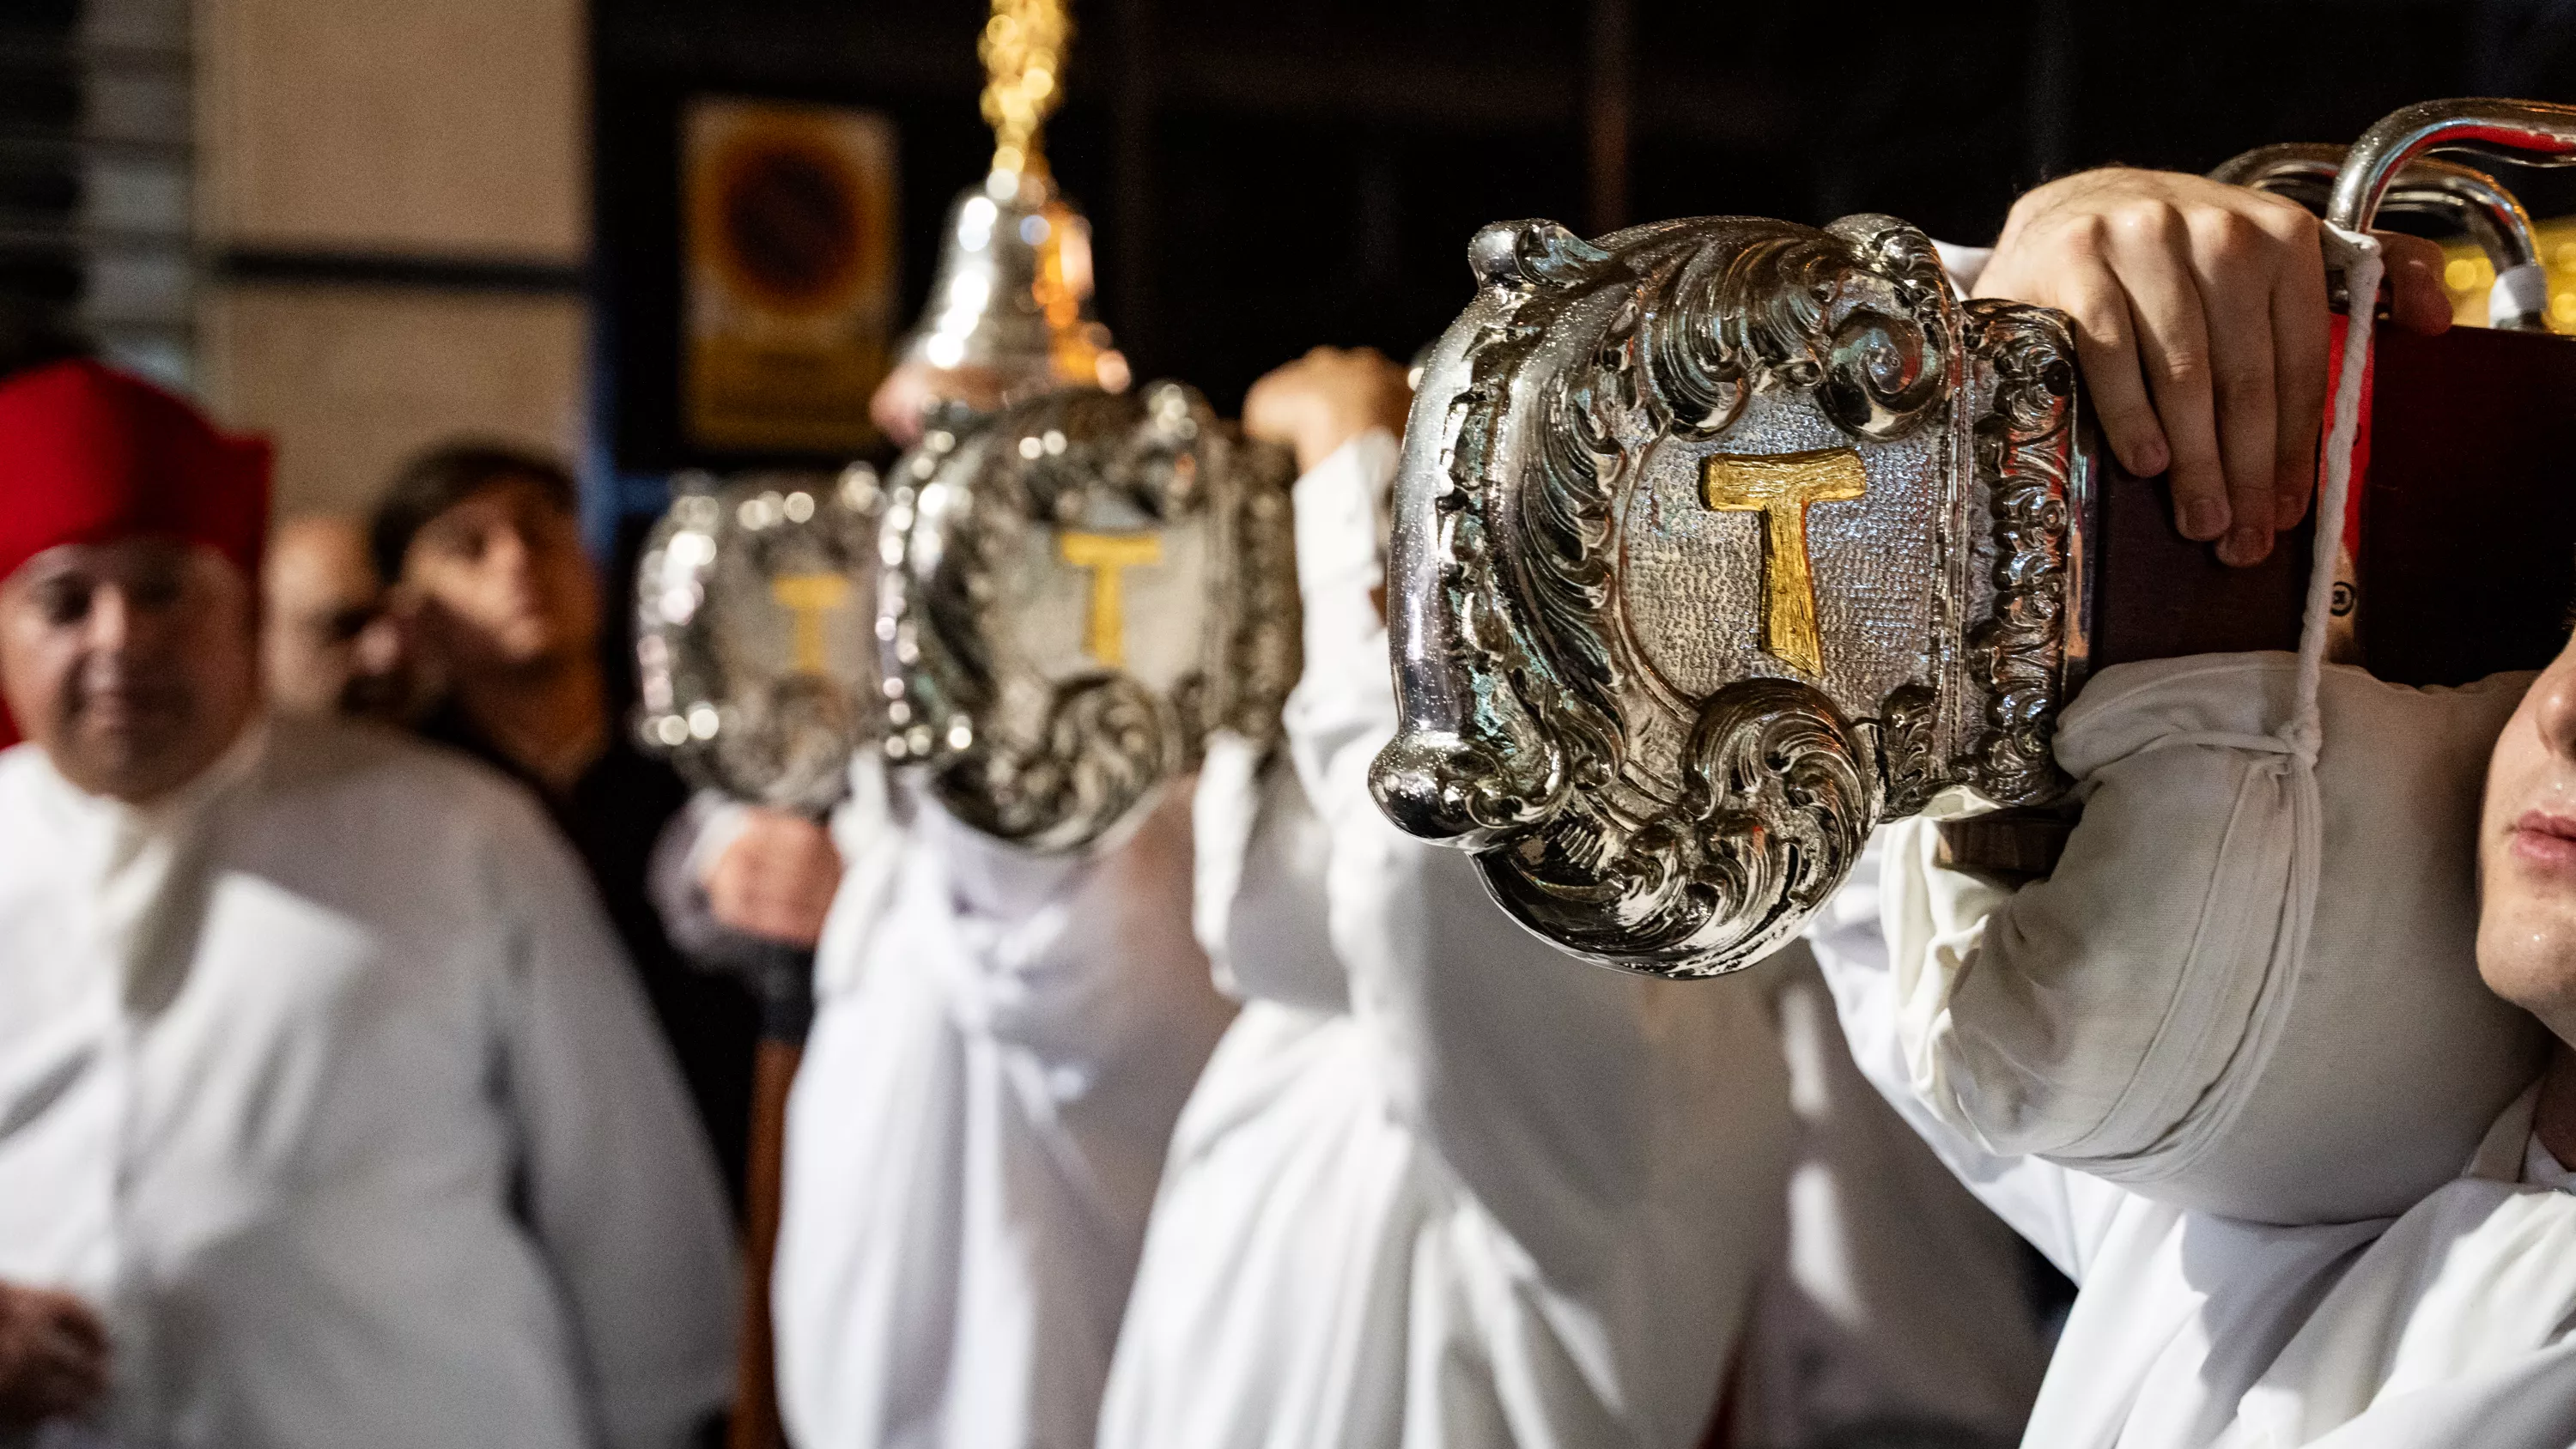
<point>1108,556</point>
<point>1780,487</point>
<point>807,598</point>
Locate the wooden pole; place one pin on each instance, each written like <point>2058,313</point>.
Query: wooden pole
<point>755,1396</point>
<point>787,1008</point>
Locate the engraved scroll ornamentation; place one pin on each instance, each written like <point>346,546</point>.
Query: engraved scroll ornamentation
<point>1037,729</point>
<point>2017,654</point>
<point>1689,832</point>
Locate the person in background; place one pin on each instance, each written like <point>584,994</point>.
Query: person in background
<point>2201,317</point>
<point>32,334</point>
<point>1440,1183</point>
<point>328,1111</point>
<point>327,646</point>
<point>483,549</point>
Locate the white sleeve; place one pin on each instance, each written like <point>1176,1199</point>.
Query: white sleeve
<point>1537,1078</point>
<point>617,1182</point>
<point>1964,264</point>
<point>2061,1212</point>
<point>871,835</point>
<point>675,875</point>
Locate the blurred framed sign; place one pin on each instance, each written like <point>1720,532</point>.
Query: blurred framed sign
<point>788,312</point>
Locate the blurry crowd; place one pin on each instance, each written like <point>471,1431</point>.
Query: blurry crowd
<point>464,608</point>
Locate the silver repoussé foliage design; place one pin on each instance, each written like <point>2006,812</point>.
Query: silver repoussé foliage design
<point>743,694</point>
<point>1026,737</point>
<point>2017,651</point>
<point>1690,832</point>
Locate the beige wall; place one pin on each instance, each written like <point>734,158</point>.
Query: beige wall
<point>440,130</point>
<point>438,127</point>
<point>350,381</point>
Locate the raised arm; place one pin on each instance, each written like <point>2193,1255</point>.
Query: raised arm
<point>1881,1000</point>
<point>1548,1086</point>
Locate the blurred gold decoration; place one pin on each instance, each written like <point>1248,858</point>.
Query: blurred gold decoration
<point>807,598</point>
<point>1108,556</point>
<point>1023,55</point>
<point>1010,306</point>
<point>2467,274</point>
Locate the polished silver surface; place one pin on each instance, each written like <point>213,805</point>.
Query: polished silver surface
<point>1012,296</point>
<point>1716,543</point>
<point>754,601</point>
<point>1077,591</point>
<point>2463,198</point>
<point>2530,133</point>
<point>1010,313</point>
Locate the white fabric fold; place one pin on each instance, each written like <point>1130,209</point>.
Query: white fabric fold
<point>2161,1013</point>
<point>2444,1325</point>
<point>324,1081</point>
<point>2242,988</point>
<point>1001,1044</point>
<point>1440,1184</point>
<point>1965,264</point>
<point>1902,1309</point>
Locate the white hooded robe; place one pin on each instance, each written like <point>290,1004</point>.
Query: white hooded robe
<point>323,1082</point>
<point>1000,1045</point>
<point>2452,1324</point>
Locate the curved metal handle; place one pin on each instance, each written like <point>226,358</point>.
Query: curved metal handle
<point>2531,133</point>
<point>2462,197</point>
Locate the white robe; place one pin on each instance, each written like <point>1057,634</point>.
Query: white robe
<point>2452,1324</point>
<point>324,1083</point>
<point>1440,1185</point>
<point>1000,1046</point>
<point>1903,1307</point>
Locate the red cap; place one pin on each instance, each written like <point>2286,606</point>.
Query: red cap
<point>92,455</point>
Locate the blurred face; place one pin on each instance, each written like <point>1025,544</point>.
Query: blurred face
<point>327,645</point>
<point>498,584</point>
<point>2527,854</point>
<point>133,664</point>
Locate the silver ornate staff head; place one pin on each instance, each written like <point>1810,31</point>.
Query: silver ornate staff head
<point>2462,197</point>
<point>1076,592</point>
<point>754,599</point>
<point>1717,542</point>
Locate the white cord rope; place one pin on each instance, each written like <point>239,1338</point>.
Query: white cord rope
<point>2362,267</point>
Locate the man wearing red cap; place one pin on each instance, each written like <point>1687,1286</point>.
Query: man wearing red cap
<point>328,1113</point>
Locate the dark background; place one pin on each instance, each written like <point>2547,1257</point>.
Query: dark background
<point>1266,175</point>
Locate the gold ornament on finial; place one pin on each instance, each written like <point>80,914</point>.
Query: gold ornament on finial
<point>1011,302</point>
<point>1023,54</point>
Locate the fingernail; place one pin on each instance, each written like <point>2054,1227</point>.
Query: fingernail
<point>2151,459</point>
<point>2243,547</point>
<point>2204,518</point>
<point>2287,510</point>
